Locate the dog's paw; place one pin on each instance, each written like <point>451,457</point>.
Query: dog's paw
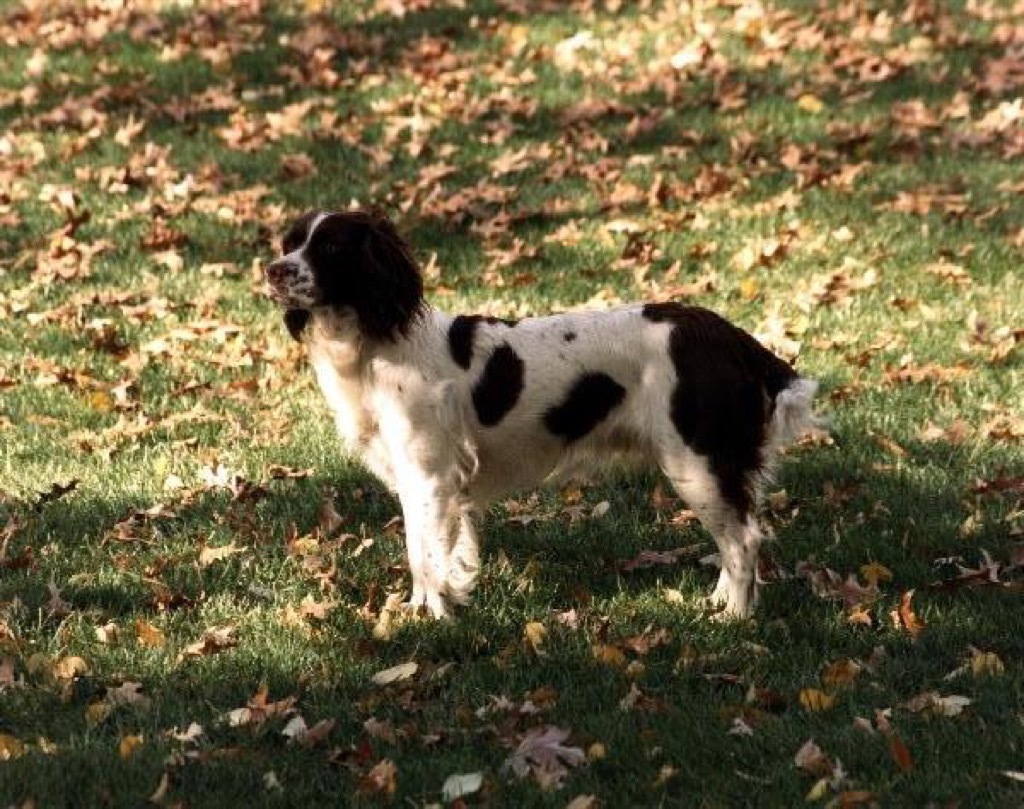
<point>436,606</point>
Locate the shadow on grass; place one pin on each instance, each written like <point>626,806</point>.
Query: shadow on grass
<point>683,711</point>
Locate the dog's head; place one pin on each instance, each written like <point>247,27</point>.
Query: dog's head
<point>347,260</point>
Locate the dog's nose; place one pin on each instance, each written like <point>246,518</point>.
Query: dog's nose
<point>278,271</point>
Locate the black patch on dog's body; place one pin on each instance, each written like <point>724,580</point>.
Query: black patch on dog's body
<point>569,336</point>
<point>592,397</point>
<point>296,321</point>
<point>461,334</point>
<point>725,394</point>
<point>499,386</point>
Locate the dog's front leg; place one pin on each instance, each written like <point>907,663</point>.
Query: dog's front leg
<point>428,526</point>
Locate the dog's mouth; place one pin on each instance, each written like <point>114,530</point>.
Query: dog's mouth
<point>276,293</point>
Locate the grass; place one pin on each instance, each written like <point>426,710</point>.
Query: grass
<point>138,375</point>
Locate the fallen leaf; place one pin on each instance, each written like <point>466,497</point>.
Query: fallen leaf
<point>208,555</point>
<point>811,758</point>
<point>67,668</point>
<point>128,745</point>
<point>457,785</point>
<point>214,640</point>
<point>149,635</point>
<point>10,747</point>
<point>541,752</point>
<point>873,573</point>
<point>900,754</point>
<point>380,780</point>
<point>816,700</point>
<point>403,671</point>
<point>840,674</point>
<point>809,102</point>
<point>97,712</point>
<point>933,702</point>
<point>609,655</point>
<point>534,634</point>
<point>128,693</point>
<point>161,789</point>
<point>904,617</point>
<point>651,558</point>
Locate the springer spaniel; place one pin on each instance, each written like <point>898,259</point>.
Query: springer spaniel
<point>452,412</point>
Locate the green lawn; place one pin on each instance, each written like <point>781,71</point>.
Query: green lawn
<point>844,183</point>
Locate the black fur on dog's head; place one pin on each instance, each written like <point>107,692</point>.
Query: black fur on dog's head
<point>353,260</point>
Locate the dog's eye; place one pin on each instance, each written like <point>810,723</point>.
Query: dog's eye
<point>329,249</point>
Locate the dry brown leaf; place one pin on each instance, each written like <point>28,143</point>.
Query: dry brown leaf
<point>208,555</point>
<point>214,640</point>
<point>149,635</point>
<point>380,780</point>
<point>904,617</point>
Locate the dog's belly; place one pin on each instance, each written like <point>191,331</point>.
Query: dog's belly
<point>521,463</point>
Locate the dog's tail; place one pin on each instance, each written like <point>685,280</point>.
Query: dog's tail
<point>794,414</point>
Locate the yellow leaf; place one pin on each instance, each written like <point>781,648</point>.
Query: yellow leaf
<point>986,663</point>
<point>10,747</point>
<point>96,713</point>
<point>749,289</point>
<point>67,668</point>
<point>873,573</point>
<point>809,102</point>
<point>128,745</point>
<point>609,655</point>
<point>815,700</point>
<point>818,790</point>
<point>535,634</point>
<point>840,673</point>
<point>596,752</point>
<point>148,634</point>
<point>100,401</point>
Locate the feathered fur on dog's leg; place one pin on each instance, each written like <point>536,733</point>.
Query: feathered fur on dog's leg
<point>464,560</point>
<point>736,534</point>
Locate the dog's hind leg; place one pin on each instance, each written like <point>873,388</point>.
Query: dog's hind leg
<point>733,528</point>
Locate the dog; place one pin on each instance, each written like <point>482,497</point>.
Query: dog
<point>453,412</point>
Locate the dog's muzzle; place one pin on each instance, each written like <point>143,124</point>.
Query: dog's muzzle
<point>281,273</point>
<point>281,277</point>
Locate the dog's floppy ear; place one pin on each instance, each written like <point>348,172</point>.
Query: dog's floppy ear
<point>295,320</point>
<point>390,288</point>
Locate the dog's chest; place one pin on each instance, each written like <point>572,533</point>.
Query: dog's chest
<point>342,380</point>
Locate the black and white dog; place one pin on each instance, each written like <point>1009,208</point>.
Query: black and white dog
<point>452,412</point>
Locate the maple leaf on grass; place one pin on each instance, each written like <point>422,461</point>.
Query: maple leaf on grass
<point>542,754</point>
<point>214,640</point>
<point>259,709</point>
